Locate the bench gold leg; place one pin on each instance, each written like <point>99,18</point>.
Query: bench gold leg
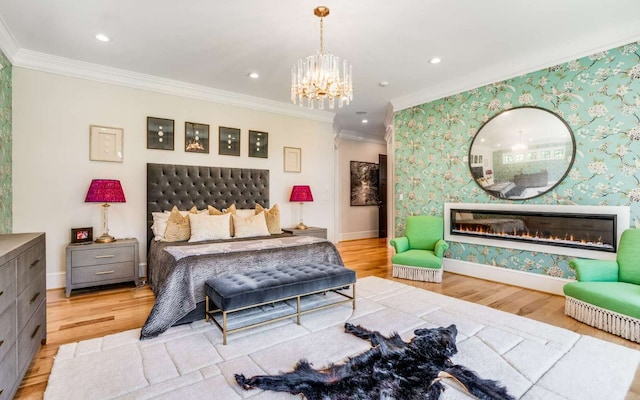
<point>206,308</point>
<point>224,328</point>
<point>354,295</point>
<point>298,302</point>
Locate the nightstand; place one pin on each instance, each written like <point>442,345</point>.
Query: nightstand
<point>310,231</point>
<point>97,264</point>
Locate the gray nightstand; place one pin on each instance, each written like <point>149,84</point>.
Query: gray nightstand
<point>310,231</point>
<point>101,263</point>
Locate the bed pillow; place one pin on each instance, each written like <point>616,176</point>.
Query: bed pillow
<point>159,226</point>
<point>272,216</point>
<point>231,210</point>
<point>255,225</point>
<point>245,212</point>
<point>209,227</point>
<point>178,227</point>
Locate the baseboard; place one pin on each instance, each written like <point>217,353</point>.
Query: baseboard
<point>57,280</point>
<point>542,283</point>
<point>358,235</point>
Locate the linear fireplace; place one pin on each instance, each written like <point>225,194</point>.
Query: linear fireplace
<point>582,231</point>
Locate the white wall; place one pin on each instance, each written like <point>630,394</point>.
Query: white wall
<point>356,222</point>
<point>52,171</point>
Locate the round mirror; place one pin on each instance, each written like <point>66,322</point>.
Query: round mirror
<point>521,153</point>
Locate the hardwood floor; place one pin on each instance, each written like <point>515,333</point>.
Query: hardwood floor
<point>97,313</point>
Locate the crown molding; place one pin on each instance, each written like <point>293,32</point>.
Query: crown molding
<point>79,69</point>
<point>561,53</point>
<point>358,137</point>
<point>8,43</point>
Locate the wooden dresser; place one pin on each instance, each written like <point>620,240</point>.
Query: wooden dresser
<point>23,307</point>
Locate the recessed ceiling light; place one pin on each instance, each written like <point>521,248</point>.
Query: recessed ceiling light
<point>383,84</point>
<point>361,112</point>
<point>103,38</point>
<point>253,75</point>
<point>364,121</point>
<point>435,60</point>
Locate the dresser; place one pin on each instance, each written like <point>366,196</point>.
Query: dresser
<point>23,306</point>
<point>97,264</point>
<point>310,231</point>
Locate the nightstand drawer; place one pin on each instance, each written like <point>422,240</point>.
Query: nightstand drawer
<point>7,330</point>
<point>97,274</point>
<point>30,264</point>
<point>30,299</point>
<point>102,256</point>
<point>7,284</point>
<point>8,374</point>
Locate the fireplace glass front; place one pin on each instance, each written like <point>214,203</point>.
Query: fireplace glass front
<point>583,231</point>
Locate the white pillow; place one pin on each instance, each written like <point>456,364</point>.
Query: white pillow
<point>209,227</point>
<point>246,213</point>
<point>159,224</point>
<point>256,225</point>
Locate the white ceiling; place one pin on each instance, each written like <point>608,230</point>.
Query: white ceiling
<point>214,44</point>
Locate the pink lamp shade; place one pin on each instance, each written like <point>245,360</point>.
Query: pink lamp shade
<point>489,172</point>
<point>105,191</point>
<point>301,193</point>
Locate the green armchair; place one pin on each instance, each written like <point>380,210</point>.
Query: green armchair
<point>419,253</point>
<point>607,293</point>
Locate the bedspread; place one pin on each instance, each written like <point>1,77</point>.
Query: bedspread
<point>177,272</point>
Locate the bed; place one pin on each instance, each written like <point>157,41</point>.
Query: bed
<point>176,271</point>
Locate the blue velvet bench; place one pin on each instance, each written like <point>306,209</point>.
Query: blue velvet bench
<point>241,291</point>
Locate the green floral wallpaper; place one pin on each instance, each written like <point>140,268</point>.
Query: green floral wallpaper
<point>598,96</point>
<point>5,145</point>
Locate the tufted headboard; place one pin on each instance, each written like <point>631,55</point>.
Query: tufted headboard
<point>186,186</point>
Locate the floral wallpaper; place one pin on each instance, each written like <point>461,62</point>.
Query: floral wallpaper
<point>598,96</point>
<point>5,145</point>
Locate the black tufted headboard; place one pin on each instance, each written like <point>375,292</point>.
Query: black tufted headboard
<point>186,186</point>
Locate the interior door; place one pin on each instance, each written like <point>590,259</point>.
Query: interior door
<point>382,195</point>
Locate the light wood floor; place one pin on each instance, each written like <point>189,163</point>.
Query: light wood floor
<point>100,312</point>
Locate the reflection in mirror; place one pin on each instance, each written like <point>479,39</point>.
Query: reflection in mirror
<point>521,153</point>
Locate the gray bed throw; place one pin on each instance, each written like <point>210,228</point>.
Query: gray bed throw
<point>177,273</point>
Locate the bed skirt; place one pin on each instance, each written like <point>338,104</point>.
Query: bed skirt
<point>417,273</point>
<point>603,319</point>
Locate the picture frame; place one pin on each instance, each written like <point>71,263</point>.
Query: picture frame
<point>196,137</point>
<point>160,133</point>
<point>292,159</point>
<point>105,143</point>
<point>228,141</point>
<point>82,235</point>
<point>258,144</point>
<point>364,183</point>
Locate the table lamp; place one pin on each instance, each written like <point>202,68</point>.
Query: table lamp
<point>105,191</point>
<point>301,193</point>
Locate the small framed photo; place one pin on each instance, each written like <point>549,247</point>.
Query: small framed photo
<point>292,159</point>
<point>196,137</point>
<point>258,144</point>
<point>81,235</point>
<point>160,133</point>
<point>228,141</point>
<point>105,143</point>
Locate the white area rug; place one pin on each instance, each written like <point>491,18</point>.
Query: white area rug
<point>533,360</point>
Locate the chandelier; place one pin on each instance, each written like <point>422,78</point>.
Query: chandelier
<point>520,146</point>
<point>321,76</point>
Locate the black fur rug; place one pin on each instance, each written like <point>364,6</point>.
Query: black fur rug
<point>392,369</point>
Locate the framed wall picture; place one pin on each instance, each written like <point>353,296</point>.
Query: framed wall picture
<point>81,235</point>
<point>105,143</point>
<point>228,141</point>
<point>292,159</point>
<point>160,133</point>
<point>196,137</point>
<point>364,183</point>
<point>258,144</point>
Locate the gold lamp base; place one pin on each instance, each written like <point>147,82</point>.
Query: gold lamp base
<point>105,238</point>
<point>301,226</point>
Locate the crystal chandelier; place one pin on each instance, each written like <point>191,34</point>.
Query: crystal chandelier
<point>321,76</point>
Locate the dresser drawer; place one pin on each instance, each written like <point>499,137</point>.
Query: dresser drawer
<point>29,340</point>
<point>98,256</point>
<point>8,374</point>
<point>7,284</point>
<point>30,264</point>
<point>30,299</point>
<point>8,330</point>
<point>97,274</point>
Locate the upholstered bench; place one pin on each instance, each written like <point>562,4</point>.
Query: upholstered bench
<point>236,292</point>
